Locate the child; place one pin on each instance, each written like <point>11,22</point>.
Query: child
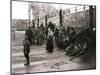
<point>26,50</point>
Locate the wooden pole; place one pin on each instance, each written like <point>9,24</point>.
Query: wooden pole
<point>29,11</point>
<point>91,16</point>
<point>46,21</point>
<point>60,17</point>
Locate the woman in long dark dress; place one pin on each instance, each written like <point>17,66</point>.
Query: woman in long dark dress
<point>50,44</point>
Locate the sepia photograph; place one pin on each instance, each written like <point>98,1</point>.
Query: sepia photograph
<point>52,37</point>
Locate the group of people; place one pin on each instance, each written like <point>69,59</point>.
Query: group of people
<point>60,35</point>
<point>63,35</point>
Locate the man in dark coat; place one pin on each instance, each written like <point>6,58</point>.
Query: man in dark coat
<point>26,51</point>
<point>29,35</point>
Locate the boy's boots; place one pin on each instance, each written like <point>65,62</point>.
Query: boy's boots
<point>28,63</point>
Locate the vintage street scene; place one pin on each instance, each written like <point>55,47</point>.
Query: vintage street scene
<point>49,37</point>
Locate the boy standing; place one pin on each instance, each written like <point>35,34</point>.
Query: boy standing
<point>26,50</point>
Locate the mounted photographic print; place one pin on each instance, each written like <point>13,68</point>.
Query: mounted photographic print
<point>52,37</point>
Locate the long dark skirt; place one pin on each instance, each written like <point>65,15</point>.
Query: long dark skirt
<point>50,45</point>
